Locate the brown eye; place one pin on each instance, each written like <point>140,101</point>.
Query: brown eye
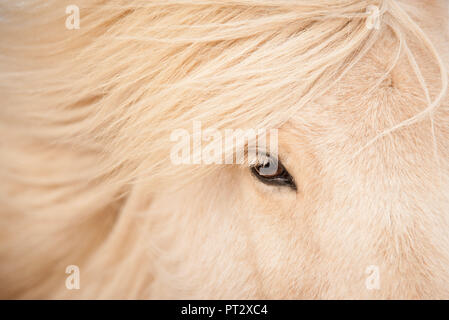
<point>272,172</point>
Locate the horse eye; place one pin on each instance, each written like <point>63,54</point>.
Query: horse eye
<point>272,172</point>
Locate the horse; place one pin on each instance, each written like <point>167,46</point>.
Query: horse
<point>355,93</point>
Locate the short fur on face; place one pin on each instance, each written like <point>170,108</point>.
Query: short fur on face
<point>85,171</point>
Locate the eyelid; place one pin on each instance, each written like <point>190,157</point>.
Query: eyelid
<point>255,155</point>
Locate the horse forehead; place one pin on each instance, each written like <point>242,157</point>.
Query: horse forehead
<point>375,96</point>
<point>360,108</point>
<point>378,93</point>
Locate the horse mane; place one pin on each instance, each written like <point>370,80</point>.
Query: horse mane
<point>86,114</point>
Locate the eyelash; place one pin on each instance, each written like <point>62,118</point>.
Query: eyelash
<point>280,178</point>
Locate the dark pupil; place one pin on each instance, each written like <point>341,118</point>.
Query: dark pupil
<point>269,169</point>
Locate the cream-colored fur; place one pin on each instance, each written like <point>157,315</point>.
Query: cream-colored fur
<point>86,178</point>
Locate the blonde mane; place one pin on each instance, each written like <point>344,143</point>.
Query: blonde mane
<point>109,94</point>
